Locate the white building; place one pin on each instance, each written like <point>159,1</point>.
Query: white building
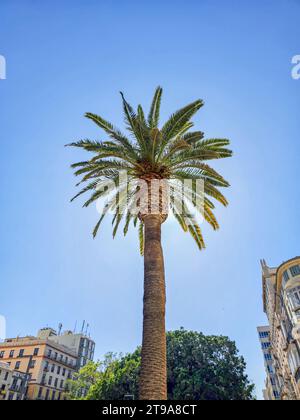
<point>271,391</point>
<point>79,343</point>
<point>13,384</point>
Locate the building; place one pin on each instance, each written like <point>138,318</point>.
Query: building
<point>271,391</point>
<point>50,359</point>
<point>281,347</point>
<point>47,363</point>
<point>13,384</point>
<point>82,345</point>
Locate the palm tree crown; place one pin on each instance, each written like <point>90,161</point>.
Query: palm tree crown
<point>171,152</point>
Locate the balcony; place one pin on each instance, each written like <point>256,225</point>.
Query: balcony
<point>15,388</point>
<point>62,362</point>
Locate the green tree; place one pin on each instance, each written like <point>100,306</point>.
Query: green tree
<point>84,381</point>
<point>199,368</point>
<point>171,153</point>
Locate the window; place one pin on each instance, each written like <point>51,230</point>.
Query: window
<point>58,370</point>
<point>50,380</point>
<point>297,297</point>
<point>266,345</point>
<point>294,297</point>
<point>32,364</point>
<point>49,353</point>
<point>21,353</point>
<point>47,395</point>
<point>276,395</point>
<point>55,383</point>
<point>268,357</point>
<point>11,353</point>
<point>14,384</point>
<point>1,354</point>
<point>62,383</point>
<point>36,351</point>
<point>264,334</point>
<point>52,368</point>
<point>53,395</point>
<point>6,376</point>
<point>40,394</point>
<point>294,359</point>
<point>17,367</point>
<point>63,371</point>
<point>286,277</point>
<point>295,270</point>
<point>284,329</point>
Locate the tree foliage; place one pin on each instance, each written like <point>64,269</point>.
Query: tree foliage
<point>199,368</point>
<point>171,152</point>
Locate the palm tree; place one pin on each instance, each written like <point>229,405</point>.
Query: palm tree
<point>172,153</point>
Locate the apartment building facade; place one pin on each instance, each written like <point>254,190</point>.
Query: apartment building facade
<point>272,388</point>
<point>48,360</point>
<point>47,363</point>
<point>83,346</point>
<point>280,340</point>
<point>13,384</point>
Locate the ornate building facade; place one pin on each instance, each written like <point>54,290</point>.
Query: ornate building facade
<point>281,341</point>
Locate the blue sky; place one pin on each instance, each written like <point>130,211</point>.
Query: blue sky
<point>68,57</point>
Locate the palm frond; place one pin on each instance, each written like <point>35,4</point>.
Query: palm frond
<point>89,187</point>
<point>178,120</point>
<point>113,132</point>
<point>153,117</point>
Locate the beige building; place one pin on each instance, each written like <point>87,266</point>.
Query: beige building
<point>13,384</point>
<point>47,363</point>
<point>280,340</point>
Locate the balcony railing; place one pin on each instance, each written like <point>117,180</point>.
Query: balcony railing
<point>63,362</point>
<point>14,388</point>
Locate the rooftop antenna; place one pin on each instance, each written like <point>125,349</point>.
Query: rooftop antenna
<point>83,326</point>
<point>87,327</point>
<point>74,331</point>
<point>59,328</point>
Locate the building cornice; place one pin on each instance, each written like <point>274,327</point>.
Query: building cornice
<point>279,274</point>
<point>35,342</point>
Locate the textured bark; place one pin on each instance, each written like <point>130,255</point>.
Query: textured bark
<point>153,379</point>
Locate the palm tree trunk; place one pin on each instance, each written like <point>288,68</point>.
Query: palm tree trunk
<point>153,378</point>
